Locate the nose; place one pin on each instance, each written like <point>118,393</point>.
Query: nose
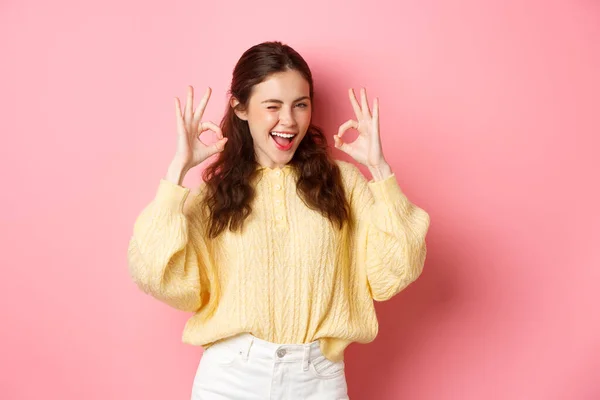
<point>286,117</point>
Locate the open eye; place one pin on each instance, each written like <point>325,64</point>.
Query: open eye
<point>302,105</point>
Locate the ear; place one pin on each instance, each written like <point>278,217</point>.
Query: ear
<point>241,114</point>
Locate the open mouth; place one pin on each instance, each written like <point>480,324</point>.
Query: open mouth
<point>283,140</point>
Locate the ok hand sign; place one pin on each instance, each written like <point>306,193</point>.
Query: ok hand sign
<point>191,151</point>
<point>366,149</point>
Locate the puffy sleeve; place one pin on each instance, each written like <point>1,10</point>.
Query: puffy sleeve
<point>168,255</point>
<point>389,233</point>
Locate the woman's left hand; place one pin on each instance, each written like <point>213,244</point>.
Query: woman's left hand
<point>366,149</point>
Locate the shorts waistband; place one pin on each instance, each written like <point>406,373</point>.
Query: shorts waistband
<point>250,346</point>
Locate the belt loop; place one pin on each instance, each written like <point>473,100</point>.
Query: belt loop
<point>246,350</point>
<point>306,357</point>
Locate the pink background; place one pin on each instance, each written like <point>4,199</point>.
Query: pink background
<point>490,118</point>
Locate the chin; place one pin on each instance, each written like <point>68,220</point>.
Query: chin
<point>283,160</point>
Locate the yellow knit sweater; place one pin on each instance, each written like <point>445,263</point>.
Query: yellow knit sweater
<point>290,276</point>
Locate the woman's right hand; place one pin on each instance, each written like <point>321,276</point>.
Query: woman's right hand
<point>191,151</point>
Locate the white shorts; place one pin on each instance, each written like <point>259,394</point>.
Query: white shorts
<point>247,368</point>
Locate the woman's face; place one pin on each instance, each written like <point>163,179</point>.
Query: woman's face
<point>278,114</point>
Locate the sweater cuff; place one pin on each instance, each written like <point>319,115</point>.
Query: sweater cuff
<point>171,196</point>
<point>388,191</point>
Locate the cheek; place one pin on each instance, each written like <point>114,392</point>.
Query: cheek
<point>268,119</point>
<point>262,120</point>
<point>304,118</point>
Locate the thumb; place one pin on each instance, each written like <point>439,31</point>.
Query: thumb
<point>219,145</point>
<point>340,144</point>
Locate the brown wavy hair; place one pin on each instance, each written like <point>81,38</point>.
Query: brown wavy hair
<point>229,178</point>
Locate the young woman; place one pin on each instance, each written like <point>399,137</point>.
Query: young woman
<point>283,250</point>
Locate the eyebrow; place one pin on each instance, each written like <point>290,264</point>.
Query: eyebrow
<point>281,102</point>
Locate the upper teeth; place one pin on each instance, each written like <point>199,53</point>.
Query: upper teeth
<point>285,135</point>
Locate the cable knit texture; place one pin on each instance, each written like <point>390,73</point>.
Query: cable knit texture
<point>289,276</point>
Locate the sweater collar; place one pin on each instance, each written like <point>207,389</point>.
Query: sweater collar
<point>286,169</point>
